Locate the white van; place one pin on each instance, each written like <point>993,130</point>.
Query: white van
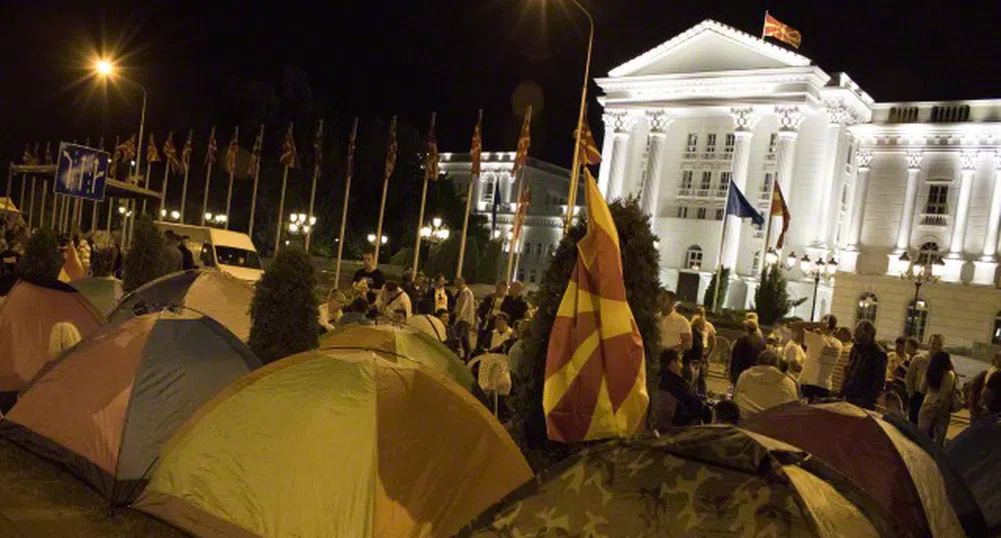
<point>231,252</point>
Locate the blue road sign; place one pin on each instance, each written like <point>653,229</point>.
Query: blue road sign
<point>82,171</point>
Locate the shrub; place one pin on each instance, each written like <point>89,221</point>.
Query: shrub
<point>144,261</point>
<point>710,295</point>
<point>283,312</point>
<point>771,300</point>
<point>41,255</point>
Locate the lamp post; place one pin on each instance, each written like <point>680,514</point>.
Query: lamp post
<point>919,272</point>
<point>435,233</point>
<point>371,239</point>
<point>816,270</point>
<point>217,219</point>
<point>107,69</point>
<point>171,214</point>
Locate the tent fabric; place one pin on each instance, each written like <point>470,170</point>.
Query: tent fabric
<point>335,443</point>
<point>102,292</point>
<point>976,454</point>
<point>702,481</point>
<point>218,295</point>
<point>429,325</point>
<point>894,471</point>
<point>106,407</point>
<point>398,343</point>
<point>27,316</point>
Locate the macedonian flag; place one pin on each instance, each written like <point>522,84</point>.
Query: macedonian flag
<point>780,31</point>
<point>595,384</point>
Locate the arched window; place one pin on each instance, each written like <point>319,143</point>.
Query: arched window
<point>693,258</point>
<point>868,306</point>
<point>487,193</point>
<point>996,337</point>
<point>916,319</point>
<point>756,263</point>
<point>928,253</point>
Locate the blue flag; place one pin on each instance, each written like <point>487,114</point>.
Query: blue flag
<point>739,207</point>
<point>496,203</point>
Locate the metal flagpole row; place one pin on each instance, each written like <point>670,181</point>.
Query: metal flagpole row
<point>474,156</point>
<point>719,253</point>
<point>424,195</point>
<point>347,196</point>
<point>390,165</point>
<point>317,163</point>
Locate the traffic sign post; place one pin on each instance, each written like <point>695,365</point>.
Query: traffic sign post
<point>81,172</point>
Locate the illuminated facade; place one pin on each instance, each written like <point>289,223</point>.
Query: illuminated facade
<point>543,226</point>
<point>864,181</point>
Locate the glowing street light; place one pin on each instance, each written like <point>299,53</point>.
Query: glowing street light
<point>106,69</point>
<point>371,239</point>
<point>435,233</point>
<point>301,223</point>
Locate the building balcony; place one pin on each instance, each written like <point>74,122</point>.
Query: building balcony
<point>727,154</point>
<point>708,155</point>
<point>764,195</point>
<point>720,193</point>
<point>685,192</point>
<point>702,193</point>
<point>770,156</point>
<point>690,155</point>
<point>934,220</point>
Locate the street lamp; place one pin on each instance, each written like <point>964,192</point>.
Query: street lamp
<point>301,223</point>
<point>371,239</point>
<point>218,218</point>
<point>919,272</point>
<point>172,214</point>
<point>816,270</point>
<point>106,68</point>
<point>435,233</point>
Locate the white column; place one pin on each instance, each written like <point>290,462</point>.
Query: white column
<point>650,195</point>
<point>789,118</point>
<point>914,159</point>
<point>863,160</point>
<point>620,124</point>
<point>829,177</point>
<point>968,162</point>
<point>994,220</point>
<point>744,120</point>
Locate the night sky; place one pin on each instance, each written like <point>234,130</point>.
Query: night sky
<point>380,57</point>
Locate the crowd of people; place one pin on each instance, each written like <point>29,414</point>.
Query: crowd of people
<point>810,362</point>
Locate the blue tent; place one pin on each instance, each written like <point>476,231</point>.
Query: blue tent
<point>976,454</point>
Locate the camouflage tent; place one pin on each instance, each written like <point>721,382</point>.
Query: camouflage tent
<point>703,481</point>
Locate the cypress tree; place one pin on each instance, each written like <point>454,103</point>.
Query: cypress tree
<point>283,313</point>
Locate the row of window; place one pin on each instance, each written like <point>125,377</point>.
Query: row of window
<point>530,251</point>
<point>692,143</point>
<point>939,114</point>
<point>706,186</point>
<point>915,319</point>
<point>700,213</point>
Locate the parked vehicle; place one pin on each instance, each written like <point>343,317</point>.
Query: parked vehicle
<point>229,251</point>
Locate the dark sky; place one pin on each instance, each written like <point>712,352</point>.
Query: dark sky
<point>375,58</point>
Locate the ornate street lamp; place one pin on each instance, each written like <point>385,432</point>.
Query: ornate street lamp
<point>919,272</point>
<point>435,233</point>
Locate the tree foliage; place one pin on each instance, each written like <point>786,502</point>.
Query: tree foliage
<point>41,255</point>
<point>724,285</point>
<point>144,260</point>
<point>640,272</point>
<point>771,300</point>
<point>283,312</point>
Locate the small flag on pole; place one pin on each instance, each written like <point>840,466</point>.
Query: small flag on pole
<point>524,142</point>
<point>170,153</point>
<point>519,215</point>
<point>289,157</point>
<point>780,31</point>
<point>48,153</point>
<point>589,152</point>
<point>780,209</point>
<point>595,381</point>
<point>476,146</point>
<point>351,148</point>
<point>391,148</point>
<point>318,146</point>
<point>212,148</point>
<point>29,158</point>
<point>186,152</point>
<point>152,155</point>
<point>255,154</point>
<point>232,151</point>
<point>127,149</point>
<point>432,157</point>
<point>738,206</point>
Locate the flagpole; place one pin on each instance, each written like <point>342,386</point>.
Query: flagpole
<point>347,197</point>
<point>149,166</point>
<point>187,170</point>
<point>24,180</point>
<point>111,209</point>
<point>95,209</point>
<point>31,214</point>
<point>232,172</point>
<point>768,227</point>
<point>316,174</point>
<point>424,195</point>
<point>382,205</point>
<point>41,206</point>
<point>55,200</point>
<point>764,26</point>
<point>281,209</point>
<point>575,169</point>
<point>473,179</point>
<point>163,189</point>
<point>257,175</point>
<point>517,209</point>
<point>209,161</point>
<point>719,253</point>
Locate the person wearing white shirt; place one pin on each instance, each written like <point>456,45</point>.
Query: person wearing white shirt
<point>500,334</point>
<point>394,303</point>
<point>822,353</point>
<point>794,354</point>
<point>914,380</point>
<point>763,386</point>
<point>675,330</point>
<point>465,315</point>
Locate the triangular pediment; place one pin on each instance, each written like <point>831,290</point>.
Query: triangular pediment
<point>710,47</point>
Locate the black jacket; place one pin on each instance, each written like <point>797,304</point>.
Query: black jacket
<point>688,408</point>
<point>865,375</point>
<point>745,354</point>
<point>515,308</point>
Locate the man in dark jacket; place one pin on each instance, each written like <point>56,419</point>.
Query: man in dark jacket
<point>746,350</point>
<point>866,371</point>
<point>514,304</point>
<point>675,403</point>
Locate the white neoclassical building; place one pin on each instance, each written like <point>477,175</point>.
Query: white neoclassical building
<point>543,226</point>
<point>864,181</point>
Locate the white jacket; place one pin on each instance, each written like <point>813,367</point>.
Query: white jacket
<point>760,387</point>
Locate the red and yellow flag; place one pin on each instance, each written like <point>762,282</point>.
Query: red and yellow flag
<point>48,153</point>
<point>186,152</point>
<point>318,145</point>
<point>520,212</point>
<point>289,157</point>
<point>431,162</point>
<point>780,209</point>
<point>255,154</point>
<point>170,153</point>
<point>29,158</point>
<point>391,149</point>
<point>211,151</point>
<point>476,147</point>
<point>232,151</point>
<point>589,152</point>
<point>595,384</point>
<point>524,142</point>
<point>152,155</point>
<point>781,31</point>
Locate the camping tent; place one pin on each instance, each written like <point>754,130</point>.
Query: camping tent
<point>105,408</point>
<point>33,306</point>
<point>102,292</point>
<point>218,295</point>
<point>893,470</point>
<point>335,443</point>
<point>976,454</point>
<point>400,343</point>
<point>429,325</point>
<point>703,481</point>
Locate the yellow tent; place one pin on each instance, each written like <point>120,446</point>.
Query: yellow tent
<point>335,443</point>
